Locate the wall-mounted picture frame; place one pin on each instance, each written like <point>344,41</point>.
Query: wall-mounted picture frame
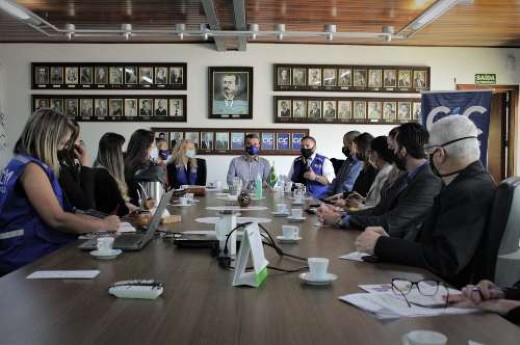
<point>114,75</point>
<point>133,108</point>
<point>351,78</point>
<point>230,92</point>
<point>353,110</point>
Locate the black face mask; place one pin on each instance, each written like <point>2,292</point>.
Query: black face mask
<point>432,165</point>
<point>64,155</point>
<point>307,153</point>
<point>345,151</point>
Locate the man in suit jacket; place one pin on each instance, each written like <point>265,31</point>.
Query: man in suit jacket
<point>447,241</point>
<point>314,111</point>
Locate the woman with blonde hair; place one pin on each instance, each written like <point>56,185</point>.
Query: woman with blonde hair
<point>33,221</point>
<point>183,168</point>
<point>111,191</point>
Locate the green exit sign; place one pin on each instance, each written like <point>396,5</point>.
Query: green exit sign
<point>485,78</point>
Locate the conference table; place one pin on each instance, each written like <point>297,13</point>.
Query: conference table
<point>200,306</point>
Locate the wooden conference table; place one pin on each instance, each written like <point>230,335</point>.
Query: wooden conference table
<point>199,305</point>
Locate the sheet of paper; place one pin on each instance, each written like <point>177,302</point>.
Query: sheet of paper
<point>354,256</point>
<point>64,274</point>
<point>200,232</point>
<point>374,288</point>
<point>125,227</point>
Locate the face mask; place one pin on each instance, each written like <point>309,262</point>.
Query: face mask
<point>345,151</point>
<point>154,154</point>
<point>164,154</point>
<point>190,153</point>
<point>253,150</point>
<point>432,165</point>
<point>307,153</point>
<point>63,154</point>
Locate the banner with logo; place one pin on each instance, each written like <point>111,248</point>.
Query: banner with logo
<point>475,105</point>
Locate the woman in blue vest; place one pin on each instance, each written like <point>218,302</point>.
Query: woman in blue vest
<point>312,169</point>
<point>33,221</point>
<point>183,168</point>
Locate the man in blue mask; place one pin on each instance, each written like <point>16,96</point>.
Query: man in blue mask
<point>250,164</point>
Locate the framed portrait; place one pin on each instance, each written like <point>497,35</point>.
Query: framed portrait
<point>160,107</point>
<point>404,79</point>
<point>57,105</point>
<point>176,107</point>
<point>345,77</point>
<point>299,108</point>
<point>130,75</point>
<point>230,92</point>
<point>360,78</point>
<point>314,109</point>
<point>222,141</point>
<point>206,141</point>
<point>40,103</point>
<point>86,109</point>
<point>283,141</point>
<point>176,75</point>
<point>404,111</point>
<point>375,78</point>
<point>146,75</point>
<point>329,109</point>
<point>56,74</point>
<point>389,78</point>
<point>41,75</point>
<point>193,136</point>
<point>162,135</point>
<point>314,77</point>
<point>175,137</point>
<point>71,75</point>
<point>299,76</point>
<point>296,141</point>
<point>360,110</point>
<point>267,143</point>
<point>116,75</point>
<point>85,75</point>
<point>375,110</point>
<point>419,80</point>
<point>100,107</point>
<point>101,75</point>
<point>389,111</point>
<point>237,141</point>
<point>71,107</point>
<point>416,111</point>
<point>345,110</point>
<point>284,108</point>
<point>283,76</point>
<point>161,75</point>
<point>145,107</point>
<point>115,107</point>
<point>329,77</point>
<point>131,107</point>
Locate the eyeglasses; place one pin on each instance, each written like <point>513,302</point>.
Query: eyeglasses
<point>428,148</point>
<point>426,287</point>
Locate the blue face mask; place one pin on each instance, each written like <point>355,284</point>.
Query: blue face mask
<point>190,153</point>
<point>253,150</point>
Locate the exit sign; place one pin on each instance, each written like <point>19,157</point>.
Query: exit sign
<point>489,79</point>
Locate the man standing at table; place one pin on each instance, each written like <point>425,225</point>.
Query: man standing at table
<point>250,164</point>
<point>312,169</point>
<point>448,239</point>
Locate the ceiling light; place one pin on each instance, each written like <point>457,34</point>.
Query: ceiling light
<point>281,29</point>
<point>433,12</point>
<point>331,29</point>
<point>254,28</point>
<point>127,30</point>
<point>180,28</point>
<point>70,28</point>
<point>14,10</point>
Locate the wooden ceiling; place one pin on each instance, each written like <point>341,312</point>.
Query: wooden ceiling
<point>470,23</point>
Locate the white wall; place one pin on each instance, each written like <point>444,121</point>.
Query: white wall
<point>448,66</point>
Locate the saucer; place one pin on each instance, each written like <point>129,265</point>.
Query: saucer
<point>181,205</point>
<point>283,239</point>
<point>296,219</point>
<point>280,214</point>
<point>106,256</point>
<point>297,203</point>
<point>306,277</point>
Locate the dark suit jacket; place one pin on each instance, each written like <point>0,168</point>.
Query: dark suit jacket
<point>201,173</point>
<point>107,194</point>
<point>405,207</point>
<point>448,240</point>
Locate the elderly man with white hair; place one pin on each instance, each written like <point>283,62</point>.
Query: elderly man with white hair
<point>449,237</point>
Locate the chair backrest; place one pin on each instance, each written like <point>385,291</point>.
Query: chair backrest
<point>502,235</point>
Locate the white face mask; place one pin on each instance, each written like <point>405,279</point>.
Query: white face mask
<point>154,155</point>
<point>190,153</point>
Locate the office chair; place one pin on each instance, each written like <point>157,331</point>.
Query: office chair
<point>502,237</point>
<point>336,164</point>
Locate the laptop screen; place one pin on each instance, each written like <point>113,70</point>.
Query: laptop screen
<point>156,219</point>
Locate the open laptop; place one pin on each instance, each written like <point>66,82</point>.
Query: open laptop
<point>129,242</point>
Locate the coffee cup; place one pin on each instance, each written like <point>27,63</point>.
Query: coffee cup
<point>318,268</point>
<point>190,197</point>
<point>296,213</point>
<point>424,337</point>
<point>183,200</point>
<point>104,244</point>
<point>282,208</point>
<point>290,231</point>
<point>288,186</point>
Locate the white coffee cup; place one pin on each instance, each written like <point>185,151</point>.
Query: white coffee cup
<point>288,186</point>
<point>290,231</point>
<point>318,268</point>
<point>424,337</point>
<point>183,200</point>
<point>190,197</point>
<point>282,208</point>
<point>296,213</point>
<point>104,244</point>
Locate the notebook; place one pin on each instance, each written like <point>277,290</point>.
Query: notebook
<point>134,241</point>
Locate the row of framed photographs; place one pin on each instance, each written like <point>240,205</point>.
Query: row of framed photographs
<point>115,107</point>
<point>108,76</point>
<point>407,79</point>
<point>218,141</point>
<point>346,110</point>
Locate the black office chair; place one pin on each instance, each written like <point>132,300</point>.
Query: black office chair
<point>502,237</point>
<point>337,163</point>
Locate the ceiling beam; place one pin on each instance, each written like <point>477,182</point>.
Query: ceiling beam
<point>239,8</point>
<point>214,23</point>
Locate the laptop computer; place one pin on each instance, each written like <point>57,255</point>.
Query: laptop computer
<point>131,242</point>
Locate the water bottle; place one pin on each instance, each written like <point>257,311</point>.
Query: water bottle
<point>258,187</point>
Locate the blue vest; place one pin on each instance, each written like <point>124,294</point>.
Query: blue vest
<point>186,177</point>
<point>24,237</point>
<point>316,189</point>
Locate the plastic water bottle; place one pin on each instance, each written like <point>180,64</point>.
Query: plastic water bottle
<point>258,187</point>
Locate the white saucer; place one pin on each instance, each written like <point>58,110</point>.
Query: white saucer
<point>296,219</point>
<point>288,240</point>
<point>280,214</point>
<point>297,203</point>
<point>181,205</point>
<point>308,280</point>
<point>106,256</point>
